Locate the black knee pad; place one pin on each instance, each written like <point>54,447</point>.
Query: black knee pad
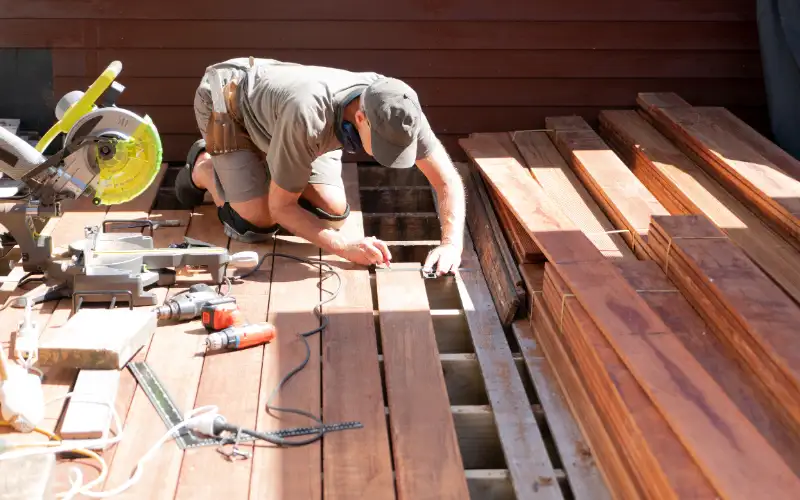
<point>242,230</point>
<point>322,214</point>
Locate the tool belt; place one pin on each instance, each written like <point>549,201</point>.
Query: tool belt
<point>225,132</point>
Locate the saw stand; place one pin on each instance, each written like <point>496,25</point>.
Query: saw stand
<point>107,266</point>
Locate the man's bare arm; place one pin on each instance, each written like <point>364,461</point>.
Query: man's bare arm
<point>286,212</point>
<point>438,168</point>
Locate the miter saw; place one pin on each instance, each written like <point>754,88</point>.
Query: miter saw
<point>109,155</point>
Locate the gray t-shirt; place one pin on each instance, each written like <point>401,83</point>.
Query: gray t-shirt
<point>289,111</point>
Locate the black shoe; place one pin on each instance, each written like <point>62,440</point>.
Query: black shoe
<point>241,230</point>
<point>188,194</point>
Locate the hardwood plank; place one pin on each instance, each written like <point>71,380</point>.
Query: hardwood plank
<point>354,463</point>
<point>710,428</point>
<point>744,307</point>
<point>293,472</point>
<point>203,471</point>
<point>626,10</point>
<point>493,255</point>
<point>717,359</point>
<point>732,124</point>
<point>559,239</point>
<point>547,166</point>
<point>754,180</point>
<point>530,467</point>
<point>615,470</point>
<point>624,199</point>
<point>522,245</point>
<point>426,456</point>
<point>583,473</point>
<point>670,175</point>
<point>659,460</point>
<point>735,458</point>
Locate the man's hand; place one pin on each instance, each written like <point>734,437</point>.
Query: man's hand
<point>449,187</point>
<point>444,258</point>
<point>367,251</point>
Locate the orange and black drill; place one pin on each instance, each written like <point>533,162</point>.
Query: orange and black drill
<point>230,328</point>
<point>221,313</point>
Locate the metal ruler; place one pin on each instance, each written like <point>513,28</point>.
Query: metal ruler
<point>168,411</point>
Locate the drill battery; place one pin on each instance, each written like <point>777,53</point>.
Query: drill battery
<point>222,313</point>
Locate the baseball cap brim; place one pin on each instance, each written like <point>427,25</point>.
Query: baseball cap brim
<point>393,156</point>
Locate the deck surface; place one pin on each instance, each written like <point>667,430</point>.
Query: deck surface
<point>448,405</point>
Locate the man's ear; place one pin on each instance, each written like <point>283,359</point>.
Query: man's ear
<point>361,118</point>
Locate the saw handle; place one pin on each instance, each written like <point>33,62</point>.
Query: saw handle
<point>84,105</point>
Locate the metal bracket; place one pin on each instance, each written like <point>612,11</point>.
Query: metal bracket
<point>76,304</point>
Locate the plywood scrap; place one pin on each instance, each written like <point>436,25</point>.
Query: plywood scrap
<point>88,413</point>
<point>742,305</point>
<point>624,199</point>
<point>685,188</point>
<point>494,255</point>
<point>752,178</point>
<point>561,184</point>
<point>97,339</point>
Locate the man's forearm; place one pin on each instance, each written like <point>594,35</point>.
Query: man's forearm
<point>452,207</point>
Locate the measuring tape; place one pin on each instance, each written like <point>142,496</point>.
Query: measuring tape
<point>168,411</point>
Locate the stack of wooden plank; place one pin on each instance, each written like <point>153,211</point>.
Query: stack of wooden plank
<point>664,297</point>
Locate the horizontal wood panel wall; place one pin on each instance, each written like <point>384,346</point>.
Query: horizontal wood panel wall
<point>478,66</point>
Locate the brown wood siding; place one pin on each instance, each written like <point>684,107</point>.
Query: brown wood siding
<point>477,67</point>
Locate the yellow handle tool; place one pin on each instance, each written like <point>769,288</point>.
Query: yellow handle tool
<point>83,106</point>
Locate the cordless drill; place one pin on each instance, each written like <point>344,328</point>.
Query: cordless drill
<point>189,305</point>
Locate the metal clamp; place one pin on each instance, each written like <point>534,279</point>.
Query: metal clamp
<point>113,293</point>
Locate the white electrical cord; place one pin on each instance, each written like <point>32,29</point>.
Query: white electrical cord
<point>76,477</point>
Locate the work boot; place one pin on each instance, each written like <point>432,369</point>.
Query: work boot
<point>188,194</point>
<point>239,229</point>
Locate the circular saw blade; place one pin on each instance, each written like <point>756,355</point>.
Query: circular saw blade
<point>130,166</point>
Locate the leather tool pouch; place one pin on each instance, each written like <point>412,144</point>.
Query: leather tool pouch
<point>225,132</point>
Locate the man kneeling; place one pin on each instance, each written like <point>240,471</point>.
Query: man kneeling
<point>273,134</point>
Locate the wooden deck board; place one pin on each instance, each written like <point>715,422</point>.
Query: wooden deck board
<point>530,467</point>
<point>230,381</point>
<point>290,472</point>
<point>427,459</point>
<point>172,356</point>
<point>339,386</point>
<point>358,463</point>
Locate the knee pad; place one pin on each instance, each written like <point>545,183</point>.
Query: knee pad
<point>322,214</point>
<point>242,230</point>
